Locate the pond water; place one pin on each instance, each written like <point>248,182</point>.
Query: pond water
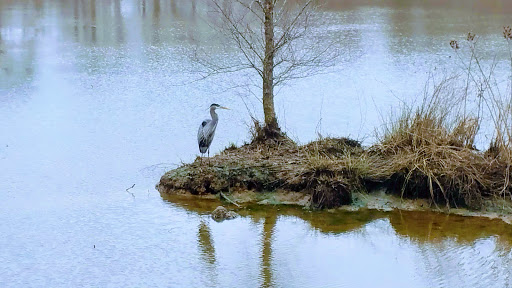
<point>93,102</point>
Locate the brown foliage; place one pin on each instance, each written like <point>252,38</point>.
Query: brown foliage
<point>431,155</point>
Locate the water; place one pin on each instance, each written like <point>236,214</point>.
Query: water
<point>92,102</point>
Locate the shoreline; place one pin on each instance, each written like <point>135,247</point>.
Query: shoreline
<point>330,173</point>
<point>376,200</point>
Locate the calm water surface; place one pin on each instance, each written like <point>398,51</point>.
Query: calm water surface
<point>92,102</point>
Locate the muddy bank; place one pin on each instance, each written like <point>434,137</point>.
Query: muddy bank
<point>330,173</point>
<point>282,167</point>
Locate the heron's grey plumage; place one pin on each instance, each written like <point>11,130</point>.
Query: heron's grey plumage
<point>205,134</point>
<point>206,130</point>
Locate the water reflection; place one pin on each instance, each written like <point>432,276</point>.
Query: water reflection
<point>436,227</point>
<point>206,243</point>
<point>207,251</point>
<point>404,27</point>
<point>18,35</point>
<point>88,100</point>
<point>266,252</point>
<point>425,249</point>
<point>477,6</point>
<point>24,25</point>
<point>417,226</point>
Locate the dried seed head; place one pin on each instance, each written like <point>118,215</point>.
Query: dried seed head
<point>454,44</point>
<point>471,37</point>
<point>507,33</point>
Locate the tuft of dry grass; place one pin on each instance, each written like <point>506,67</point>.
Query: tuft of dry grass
<point>429,153</point>
<point>436,121</point>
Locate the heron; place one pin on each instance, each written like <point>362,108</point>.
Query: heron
<point>207,130</point>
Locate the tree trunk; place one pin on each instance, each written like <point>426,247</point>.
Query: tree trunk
<point>268,68</point>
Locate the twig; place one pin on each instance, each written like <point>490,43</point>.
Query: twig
<point>127,190</point>
<point>130,188</point>
<point>229,200</point>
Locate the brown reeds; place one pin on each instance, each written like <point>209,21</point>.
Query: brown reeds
<point>430,149</point>
<point>430,153</point>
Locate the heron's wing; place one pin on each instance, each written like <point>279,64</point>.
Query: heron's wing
<point>205,135</point>
<point>201,131</point>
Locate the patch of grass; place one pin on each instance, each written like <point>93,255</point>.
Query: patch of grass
<point>430,153</point>
<point>230,147</point>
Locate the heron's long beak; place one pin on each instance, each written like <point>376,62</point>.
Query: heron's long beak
<point>222,107</point>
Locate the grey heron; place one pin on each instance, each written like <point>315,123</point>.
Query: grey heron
<point>207,130</point>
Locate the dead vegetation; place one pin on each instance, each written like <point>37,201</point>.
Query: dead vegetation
<point>318,168</point>
<point>269,134</point>
<point>428,159</point>
<point>429,152</point>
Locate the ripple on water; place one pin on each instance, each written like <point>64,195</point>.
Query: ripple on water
<point>91,92</point>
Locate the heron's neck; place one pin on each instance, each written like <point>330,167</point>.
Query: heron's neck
<point>215,118</point>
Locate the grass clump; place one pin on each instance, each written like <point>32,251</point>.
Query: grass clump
<point>430,150</point>
<point>433,158</point>
<point>267,134</point>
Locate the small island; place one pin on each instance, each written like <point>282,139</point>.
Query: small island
<point>424,158</point>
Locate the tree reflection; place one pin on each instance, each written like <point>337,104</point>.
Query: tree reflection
<point>93,21</point>
<point>436,227</point>
<point>18,42</point>
<point>207,250</point>
<point>443,248</point>
<point>421,226</point>
<point>266,251</point>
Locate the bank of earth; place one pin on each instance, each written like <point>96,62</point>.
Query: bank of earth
<point>339,173</point>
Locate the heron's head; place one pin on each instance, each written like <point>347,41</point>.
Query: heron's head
<point>215,106</point>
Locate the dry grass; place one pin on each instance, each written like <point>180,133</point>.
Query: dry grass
<point>266,134</point>
<point>429,153</point>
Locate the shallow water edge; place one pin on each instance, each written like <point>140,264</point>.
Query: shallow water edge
<point>335,173</point>
<point>376,200</point>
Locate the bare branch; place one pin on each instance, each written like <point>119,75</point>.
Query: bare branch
<point>235,29</point>
<point>291,28</point>
<point>249,8</point>
<point>275,39</point>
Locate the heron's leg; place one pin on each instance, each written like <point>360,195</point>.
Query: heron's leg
<point>209,157</point>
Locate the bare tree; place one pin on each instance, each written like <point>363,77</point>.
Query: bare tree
<point>275,39</point>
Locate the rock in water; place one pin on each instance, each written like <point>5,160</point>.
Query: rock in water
<point>220,213</point>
